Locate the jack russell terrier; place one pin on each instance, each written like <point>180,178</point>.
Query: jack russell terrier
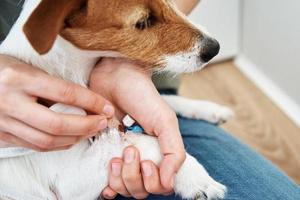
<point>66,38</point>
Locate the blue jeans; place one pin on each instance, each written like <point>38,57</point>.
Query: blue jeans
<point>247,175</point>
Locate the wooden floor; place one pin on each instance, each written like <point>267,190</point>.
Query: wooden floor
<point>258,122</point>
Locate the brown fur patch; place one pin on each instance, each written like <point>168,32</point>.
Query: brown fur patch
<point>109,25</point>
<point>46,22</point>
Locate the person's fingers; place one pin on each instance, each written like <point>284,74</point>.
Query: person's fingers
<point>109,193</point>
<point>44,119</point>
<point>173,151</point>
<point>169,167</point>
<point>151,179</point>
<point>115,177</point>
<point>131,173</point>
<point>37,138</point>
<point>59,90</point>
<point>12,139</point>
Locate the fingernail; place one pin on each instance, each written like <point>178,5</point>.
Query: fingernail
<point>147,169</point>
<point>108,110</point>
<point>102,124</point>
<point>108,195</point>
<point>129,155</point>
<point>116,169</point>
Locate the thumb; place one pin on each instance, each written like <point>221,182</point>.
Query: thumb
<point>168,169</point>
<point>172,148</point>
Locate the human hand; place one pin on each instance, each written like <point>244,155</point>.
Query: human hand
<point>24,122</point>
<point>132,92</point>
<point>130,177</point>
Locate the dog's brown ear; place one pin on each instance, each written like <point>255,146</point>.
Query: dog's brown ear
<point>46,21</point>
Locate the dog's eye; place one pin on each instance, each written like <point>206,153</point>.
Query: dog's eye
<point>145,23</point>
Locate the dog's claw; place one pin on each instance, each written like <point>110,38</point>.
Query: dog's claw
<point>201,196</point>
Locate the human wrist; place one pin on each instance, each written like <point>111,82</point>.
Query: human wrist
<point>110,73</point>
<point>186,6</point>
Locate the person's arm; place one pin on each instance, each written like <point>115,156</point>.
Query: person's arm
<point>186,6</point>
<point>132,92</point>
<point>24,122</point>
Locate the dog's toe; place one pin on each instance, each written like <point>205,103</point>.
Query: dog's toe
<point>222,114</point>
<point>216,191</point>
<point>212,190</point>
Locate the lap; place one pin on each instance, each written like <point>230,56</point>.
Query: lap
<point>246,174</point>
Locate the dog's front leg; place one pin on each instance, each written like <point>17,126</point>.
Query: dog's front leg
<point>199,109</point>
<point>81,172</point>
<point>191,182</point>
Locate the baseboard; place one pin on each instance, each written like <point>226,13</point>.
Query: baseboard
<point>273,91</point>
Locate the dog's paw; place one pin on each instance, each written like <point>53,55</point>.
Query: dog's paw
<point>214,190</point>
<point>204,190</point>
<point>211,112</point>
<point>221,114</point>
<point>193,182</point>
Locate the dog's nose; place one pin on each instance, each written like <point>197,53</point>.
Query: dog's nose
<point>210,48</point>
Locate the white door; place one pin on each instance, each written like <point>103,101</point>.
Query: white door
<point>222,20</point>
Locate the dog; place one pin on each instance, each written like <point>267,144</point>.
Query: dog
<point>66,38</point>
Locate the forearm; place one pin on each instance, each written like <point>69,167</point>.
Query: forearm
<point>186,6</point>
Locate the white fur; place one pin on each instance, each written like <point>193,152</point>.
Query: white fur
<point>184,62</point>
<point>81,172</point>
<point>199,109</point>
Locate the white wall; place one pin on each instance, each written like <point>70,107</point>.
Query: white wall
<point>265,37</point>
<point>222,20</point>
<point>271,40</point>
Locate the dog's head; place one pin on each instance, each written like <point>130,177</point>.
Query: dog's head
<point>151,32</point>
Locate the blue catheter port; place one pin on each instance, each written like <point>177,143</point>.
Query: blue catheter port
<point>135,128</point>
